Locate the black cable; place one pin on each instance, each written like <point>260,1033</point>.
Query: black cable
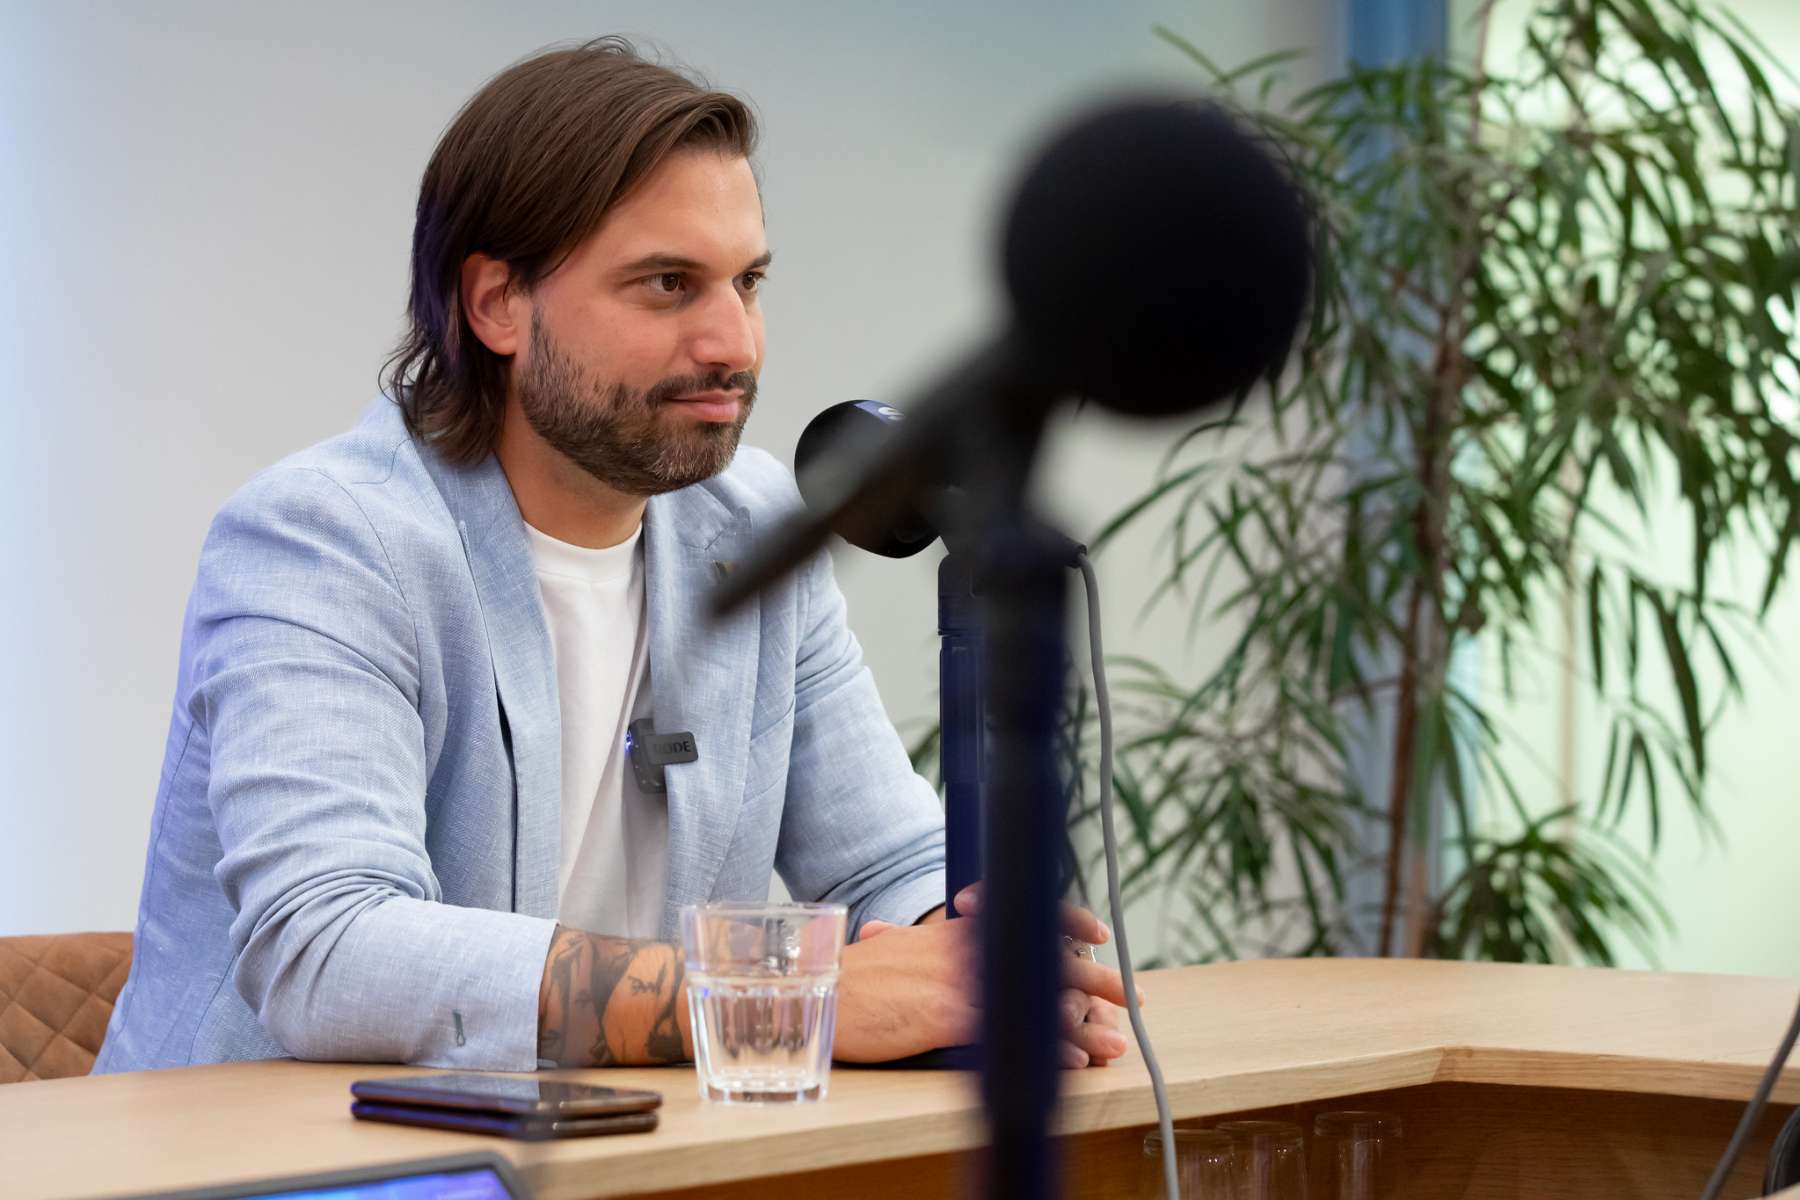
<point>1103,702</point>
<point>1716,1184</point>
<point>1784,1157</point>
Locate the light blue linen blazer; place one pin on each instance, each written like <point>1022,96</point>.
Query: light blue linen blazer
<point>356,838</point>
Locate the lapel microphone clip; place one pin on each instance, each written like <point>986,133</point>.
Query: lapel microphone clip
<point>650,752</point>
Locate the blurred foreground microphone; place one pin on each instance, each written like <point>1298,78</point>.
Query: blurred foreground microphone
<point>1156,258</point>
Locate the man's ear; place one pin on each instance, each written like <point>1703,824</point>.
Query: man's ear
<point>496,310</point>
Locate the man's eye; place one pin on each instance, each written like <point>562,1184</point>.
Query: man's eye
<point>666,284</point>
<point>752,280</point>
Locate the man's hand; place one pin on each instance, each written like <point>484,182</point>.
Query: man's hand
<point>917,988</point>
<point>1089,1005</point>
<point>906,989</point>
<point>1091,1032</point>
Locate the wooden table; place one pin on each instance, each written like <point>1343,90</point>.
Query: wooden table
<point>1514,1082</point>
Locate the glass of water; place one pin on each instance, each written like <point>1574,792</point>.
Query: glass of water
<point>1204,1166</point>
<point>1269,1159</point>
<point>1359,1155</point>
<point>762,991</point>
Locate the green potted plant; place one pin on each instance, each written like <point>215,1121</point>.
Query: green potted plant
<point>1556,314</point>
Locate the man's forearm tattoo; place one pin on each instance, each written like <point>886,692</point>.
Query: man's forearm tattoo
<point>610,1001</point>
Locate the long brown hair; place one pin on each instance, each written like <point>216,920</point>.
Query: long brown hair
<point>529,168</point>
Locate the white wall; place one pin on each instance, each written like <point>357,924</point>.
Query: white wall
<point>204,220</point>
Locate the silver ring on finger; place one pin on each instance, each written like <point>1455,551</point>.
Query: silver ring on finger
<point>1079,948</point>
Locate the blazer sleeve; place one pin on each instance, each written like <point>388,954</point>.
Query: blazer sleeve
<point>305,673</point>
<point>859,826</point>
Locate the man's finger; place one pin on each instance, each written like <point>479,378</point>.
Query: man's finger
<point>1100,1043</point>
<point>1084,926</point>
<point>871,927</point>
<point>1072,1007</point>
<point>1103,1012</point>
<point>1077,922</point>
<point>1096,980</point>
<point>1073,1056</point>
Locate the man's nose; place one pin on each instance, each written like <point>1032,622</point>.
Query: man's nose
<point>725,338</point>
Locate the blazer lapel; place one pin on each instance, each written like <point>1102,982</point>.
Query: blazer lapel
<point>702,680</point>
<point>493,536</point>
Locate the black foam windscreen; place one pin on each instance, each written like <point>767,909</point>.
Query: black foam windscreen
<point>1158,256</point>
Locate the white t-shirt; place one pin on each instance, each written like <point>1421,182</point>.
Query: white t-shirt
<point>615,839</point>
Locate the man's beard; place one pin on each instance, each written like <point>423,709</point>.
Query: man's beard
<point>620,435</point>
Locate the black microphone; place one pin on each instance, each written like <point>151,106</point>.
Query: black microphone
<point>1157,259</point>
<point>855,430</point>
<point>841,436</point>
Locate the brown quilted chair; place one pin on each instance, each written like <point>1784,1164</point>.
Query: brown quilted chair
<point>56,995</point>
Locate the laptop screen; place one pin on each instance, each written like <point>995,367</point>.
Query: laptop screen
<point>482,1176</point>
<point>481,1183</point>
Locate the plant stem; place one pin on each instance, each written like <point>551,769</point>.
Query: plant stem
<point>1425,646</point>
<point>1406,725</point>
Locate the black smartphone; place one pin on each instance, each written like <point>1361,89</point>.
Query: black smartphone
<point>524,1128</point>
<point>513,1095</point>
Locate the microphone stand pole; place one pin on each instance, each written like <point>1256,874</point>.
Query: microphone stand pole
<point>960,724</point>
<point>1022,955</point>
<point>1019,570</point>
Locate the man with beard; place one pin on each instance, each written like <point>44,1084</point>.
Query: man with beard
<point>398,817</point>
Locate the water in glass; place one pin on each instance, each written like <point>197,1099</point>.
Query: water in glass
<point>763,1038</point>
